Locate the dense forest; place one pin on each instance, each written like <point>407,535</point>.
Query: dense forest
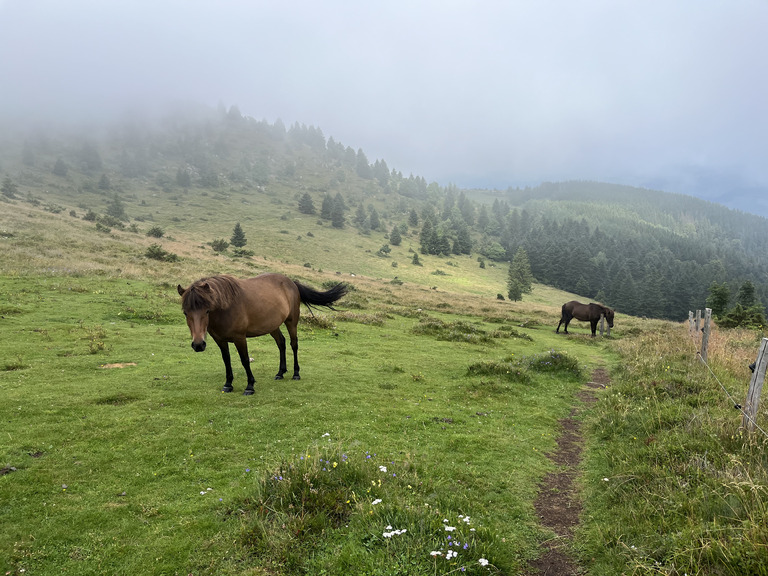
<point>643,252</point>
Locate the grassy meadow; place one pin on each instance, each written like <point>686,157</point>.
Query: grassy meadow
<point>413,444</point>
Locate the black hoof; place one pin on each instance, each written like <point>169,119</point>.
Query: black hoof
<point>248,392</point>
<point>296,377</point>
<point>227,389</point>
<point>278,376</point>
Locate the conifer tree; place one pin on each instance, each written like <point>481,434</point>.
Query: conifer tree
<point>9,188</point>
<point>719,295</point>
<point>306,206</point>
<point>394,237</point>
<point>520,279</point>
<point>326,208</point>
<point>238,237</point>
<point>337,212</point>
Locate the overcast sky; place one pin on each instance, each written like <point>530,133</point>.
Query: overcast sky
<point>664,93</point>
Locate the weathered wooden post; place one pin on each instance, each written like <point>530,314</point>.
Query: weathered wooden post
<point>690,321</point>
<point>698,319</point>
<point>755,388</point>
<point>705,334</point>
<point>602,323</point>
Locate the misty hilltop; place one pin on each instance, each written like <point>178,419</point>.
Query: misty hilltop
<point>195,172</point>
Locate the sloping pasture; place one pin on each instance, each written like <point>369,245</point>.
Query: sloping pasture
<point>119,454</point>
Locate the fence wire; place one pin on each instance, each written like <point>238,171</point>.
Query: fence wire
<point>727,393</point>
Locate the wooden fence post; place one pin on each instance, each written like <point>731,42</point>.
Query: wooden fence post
<point>698,319</point>
<point>602,324</point>
<point>755,388</point>
<point>690,321</point>
<point>705,334</point>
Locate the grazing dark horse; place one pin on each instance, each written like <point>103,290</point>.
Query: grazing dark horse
<point>232,310</point>
<point>586,312</point>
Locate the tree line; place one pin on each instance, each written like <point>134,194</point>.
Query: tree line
<point>642,252</point>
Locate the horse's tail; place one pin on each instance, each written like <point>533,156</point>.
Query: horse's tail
<point>310,296</point>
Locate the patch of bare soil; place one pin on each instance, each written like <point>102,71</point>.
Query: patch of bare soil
<point>558,504</point>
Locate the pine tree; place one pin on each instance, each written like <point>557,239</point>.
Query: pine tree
<point>394,237</point>
<point>183,178</point>
<point>9,188</point>
<point>520,280</point>
<point>60,168</point>
<point>326,208</point>
<point>116,209</point>
<point>337,212</point>
<point>238,237</point>
<point>719,295</point>
<point>428,238</point>
<point>306,206</point>
<point>374,216</point>
<point>105,183</point>
<point>746,295</point>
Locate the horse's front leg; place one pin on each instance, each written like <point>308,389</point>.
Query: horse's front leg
<point>594,327</point>
<point>224,347</point>
<point>242,349</point>
<point>280,341</point>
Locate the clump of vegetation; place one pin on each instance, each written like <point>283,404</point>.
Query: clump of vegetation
<point>306,509</point>
<point>505,369</point>
<point>375,319</point>
<point>157,252</point>
<point>219,245</point>
<point>156,232</point>
<point>459,331</point>
<point>554,362</point>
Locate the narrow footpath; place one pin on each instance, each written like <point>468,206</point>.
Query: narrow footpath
<point>558,504</point>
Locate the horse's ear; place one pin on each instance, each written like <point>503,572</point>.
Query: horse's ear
<point>180,289</point>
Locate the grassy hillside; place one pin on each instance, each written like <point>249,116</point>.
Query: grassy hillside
<point>426,402</point>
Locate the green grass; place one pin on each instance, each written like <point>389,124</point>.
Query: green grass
<point>113,465</point>
<point>113,430</point>
<point>673,485</point>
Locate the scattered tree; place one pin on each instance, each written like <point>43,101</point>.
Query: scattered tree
<point>394,237</point>
<point>9,188</point>
<point>60,168</point>
<point>306,205</point>
<point>520,279</point>
<point>238,237</point>
<point>219,245</point>
<point>116,210</point>
<point>719,295</point>
<point>105,183</point>
<point>155,232</point>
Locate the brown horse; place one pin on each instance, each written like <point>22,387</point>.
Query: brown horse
<point>232,310</point>
<point>586,312</point>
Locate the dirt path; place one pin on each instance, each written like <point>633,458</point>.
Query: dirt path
<point>558,504</point>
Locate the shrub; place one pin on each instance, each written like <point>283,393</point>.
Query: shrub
<point>157,252</point>
<point>554,361</point>
<point>155,232</point>
<point>219,245</point>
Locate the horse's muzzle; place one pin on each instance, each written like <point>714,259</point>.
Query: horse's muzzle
<point>198,346</point>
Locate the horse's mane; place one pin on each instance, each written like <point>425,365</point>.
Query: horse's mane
<point>214,293</point>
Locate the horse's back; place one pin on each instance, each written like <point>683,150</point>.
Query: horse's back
<point>268,300</point>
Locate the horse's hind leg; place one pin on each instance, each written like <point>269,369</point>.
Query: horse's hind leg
<point>280,341</point>
<point>557,331</point>
<point>292,332</point>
